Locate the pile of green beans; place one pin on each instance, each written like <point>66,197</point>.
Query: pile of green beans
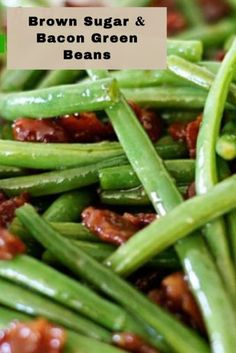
<point>69,275</point>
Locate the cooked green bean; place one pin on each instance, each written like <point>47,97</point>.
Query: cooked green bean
<point>59,100</point>
<point>20,80</point>
<point>180,338</point>
<point>169,97</point>
<point>211,35</point>
<point>124,177</point>
<point>146,78</point>
<point>130,197</point>
<point>214,66</point>
<point>48,156</point>
<point>43,279</point>
<point>226,146</point>
<point>56,182</point>
<point>198,75</point>
<point>76,231</point>
<point>68,206</point>
<point>60,77</point>
<point>27,302</point>
<point>206,166</point>
<point>75,343</point>
<point>8,171</point>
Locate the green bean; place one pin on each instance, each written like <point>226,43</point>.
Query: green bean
<point>59,100</point>
<point>196,74</point>
<point>43,279</point>
<point>232,3</point>
<point>226,146</point>
<point>206,166</point>
<point>8,171</point>
<point>191,11</point>
<point>75,343</point>
<point>75,231</point>
<point>214,66</point>
<point>191,50</point>
<point>166,260</point>
<point>179,116</point>
<point>60,77</point>
<point>98,251</point>
<point>211,35</point>
<point>7,316</point>
<point>47,156</point>
<point>169,97</point>
<point>146,78</point>
<point>56,182</point>
<point>181,339</point>
<point>130,197</point>
<point>27,302</point>
<point>124,177</point>
<point>20,80</point>
<point>68,207</point>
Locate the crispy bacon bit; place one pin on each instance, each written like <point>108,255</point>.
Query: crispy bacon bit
<point>192,130</point>
<point>132,343</point>
<point>38,336</point>
<point>86,127</point>
<point>187,132</point>
<point>150,121</point>
<point>140,220</point>
<point>32,130</point>
<point>174,294</point>
<point>175,20</point>
<point>112,227</point>
<point>191,191</point>
<point>214,10</point>
<point>178,131</point>
<point>8,207</point>
<point>10,245</point>
<point>220,54</point>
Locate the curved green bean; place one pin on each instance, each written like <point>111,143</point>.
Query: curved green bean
<point>60,77</point>
<point>206,166</point>
<point>59,100</point>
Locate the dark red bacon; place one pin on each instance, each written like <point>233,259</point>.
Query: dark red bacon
<point>9,206</point>
<point>38,336</point>
<point>10,245</point>
<point>112,227</point>
<point>174,294</point>
<point>33,130</point>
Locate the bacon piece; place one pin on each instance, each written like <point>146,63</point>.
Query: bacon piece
<point>8,208</point>
<point>174,294</point>
<point>178,131</point>
<point>112,227</point>
<point>187,132</point>
<point>191,191</point>
<point>86,127</point>
<point>220,54</point>
<point>34,130</point>
<point>132,343</point>
<point>10,245</point>
<point>175,22</point>
<point>192,130</point>
<point>140,220</point>
<point>214,10</point>
<point>2,197</point>
<point>38,336</point>
<point>150,121</point>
